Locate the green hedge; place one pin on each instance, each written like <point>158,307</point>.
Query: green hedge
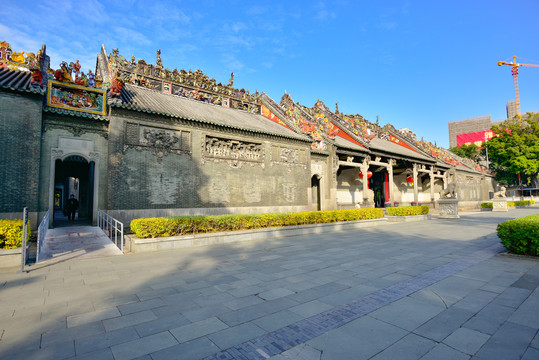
<point>486,205</point>
<point>182,225</point>
<point>521,235</point>
<point>520,203</point>
<point>11,234</point>
<point>408,210</point>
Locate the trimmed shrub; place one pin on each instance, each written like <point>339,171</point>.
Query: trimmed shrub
<point>408,210</point>
<point>521,203</point>
<point>183,225</point>
<point>11,234</point>
<point>486,205</point>
<point>521,235</point>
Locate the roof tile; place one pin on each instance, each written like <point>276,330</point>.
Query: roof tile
<point>147,100</point>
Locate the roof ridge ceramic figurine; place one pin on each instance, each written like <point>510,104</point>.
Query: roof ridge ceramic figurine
<point>158,61</point>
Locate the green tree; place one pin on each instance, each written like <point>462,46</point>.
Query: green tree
<point>469,151</point>
<point>516,149</point>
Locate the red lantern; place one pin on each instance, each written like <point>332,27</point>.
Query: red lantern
<point>410,180</point>
<point>369,174</point>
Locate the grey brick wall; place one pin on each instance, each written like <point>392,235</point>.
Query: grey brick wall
<point>140,179</point>
<point>20,126</point>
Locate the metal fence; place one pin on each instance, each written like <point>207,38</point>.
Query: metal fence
<point>113,228</point>
<point>24,237</point>
<point>41,232</point>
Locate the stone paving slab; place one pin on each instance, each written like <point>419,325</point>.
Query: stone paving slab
<point>430,290</point>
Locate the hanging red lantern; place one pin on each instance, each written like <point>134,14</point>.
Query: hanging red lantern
<point>410,179</point>
<point>369,174</point>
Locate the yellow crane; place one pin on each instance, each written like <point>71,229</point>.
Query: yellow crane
<point>514,71</point>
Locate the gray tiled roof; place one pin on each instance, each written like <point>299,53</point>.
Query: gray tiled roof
<point>343,143</point>
<point>18,80</point>
<point>146,100</point>
<point>388,146</point>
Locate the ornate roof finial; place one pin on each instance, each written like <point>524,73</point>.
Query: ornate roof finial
<point>158,62</point>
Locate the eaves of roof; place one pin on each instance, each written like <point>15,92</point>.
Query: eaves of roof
<point>19,81</point>
<point>278,111</point>
<point>74,113</point>
<point>343,128</point>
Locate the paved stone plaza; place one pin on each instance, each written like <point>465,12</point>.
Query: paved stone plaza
<point>435,289</point>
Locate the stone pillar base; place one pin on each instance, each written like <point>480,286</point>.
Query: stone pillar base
<point>499,204</point>
<point>448,208</point>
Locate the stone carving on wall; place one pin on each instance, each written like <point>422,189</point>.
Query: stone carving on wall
<point>94,156</point>
<point>83,126</point>
<point>57,153</point>
<point>252,193</point>
<point>219,191</point>
<point>235,152</point>
<point>289,192</point>
<point>162,186</point>
<point>160,142</point>
<point>287,157</point>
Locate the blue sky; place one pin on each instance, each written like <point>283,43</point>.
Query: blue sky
<point>415,64</point>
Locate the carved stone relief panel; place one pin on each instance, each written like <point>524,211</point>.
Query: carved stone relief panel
<point>219,191</point>
<point>252,193</point>
<point>289,192</point>
<point>163,186</point>
<point>288,157</point>
<point>159,141</point>
<point>234,152</point>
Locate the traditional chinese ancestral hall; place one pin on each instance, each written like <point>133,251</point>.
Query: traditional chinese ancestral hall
<point>139,140</point>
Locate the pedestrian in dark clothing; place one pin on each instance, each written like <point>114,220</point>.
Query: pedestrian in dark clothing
<point>72,206</point>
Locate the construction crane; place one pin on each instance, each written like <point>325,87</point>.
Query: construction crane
<point>514,71</point>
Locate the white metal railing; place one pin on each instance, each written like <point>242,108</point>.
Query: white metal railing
<point>41,232</point>
<point>111,227</point>
<point>24,241</point>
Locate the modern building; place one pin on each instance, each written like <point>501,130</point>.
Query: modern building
<point>477,130</point>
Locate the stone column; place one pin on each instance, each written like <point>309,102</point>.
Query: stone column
<point>431,174</point>
<point>416,193</point>
<point>364,169</point>
<point>391,162</point>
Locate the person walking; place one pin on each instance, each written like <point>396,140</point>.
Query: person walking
<point>72,206</point>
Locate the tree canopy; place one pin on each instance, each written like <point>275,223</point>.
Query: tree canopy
<point>516,149</point>
<point>470,151</point>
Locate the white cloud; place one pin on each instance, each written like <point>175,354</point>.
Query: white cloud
<point>19,41</point>
<point>322,13</point>
<point>129,35</point>
<point>257,10</point>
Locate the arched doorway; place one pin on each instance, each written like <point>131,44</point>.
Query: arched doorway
<point>315,191</point>
<point>74,175</point>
